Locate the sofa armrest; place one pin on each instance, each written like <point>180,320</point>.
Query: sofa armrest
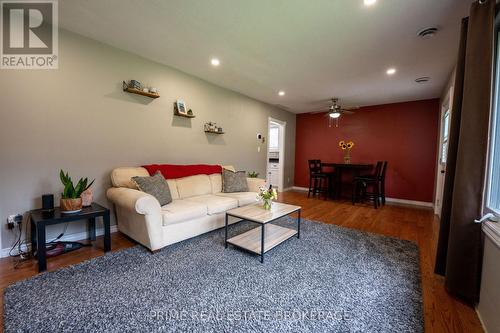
<point>255,183</point>
<point>134,200</point>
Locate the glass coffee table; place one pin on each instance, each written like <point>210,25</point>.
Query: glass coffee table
<point>262,239</point>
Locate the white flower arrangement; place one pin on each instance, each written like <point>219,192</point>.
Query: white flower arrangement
<point>267,195</point>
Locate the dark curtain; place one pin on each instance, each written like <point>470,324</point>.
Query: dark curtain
<point>460,245</point>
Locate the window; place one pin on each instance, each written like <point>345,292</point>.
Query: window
<point>446,134</point>
<point>493,198</point>
<point>274,138</point>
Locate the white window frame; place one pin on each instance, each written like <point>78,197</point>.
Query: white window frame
<point>494,117</point>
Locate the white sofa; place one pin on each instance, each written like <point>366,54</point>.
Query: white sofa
<point>198,206</point>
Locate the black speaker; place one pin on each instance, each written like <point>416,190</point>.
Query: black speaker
<point>48,202</point>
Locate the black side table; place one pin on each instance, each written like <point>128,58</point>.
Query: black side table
<point>40,219</point>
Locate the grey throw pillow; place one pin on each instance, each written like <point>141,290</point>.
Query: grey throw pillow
<point>155,185</point>
<point>234,181</point>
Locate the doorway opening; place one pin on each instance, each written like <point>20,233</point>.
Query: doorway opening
<point>276,153</point>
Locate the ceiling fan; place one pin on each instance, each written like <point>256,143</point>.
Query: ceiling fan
<point>335,111</point>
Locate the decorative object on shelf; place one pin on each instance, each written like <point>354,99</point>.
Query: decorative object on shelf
<point>134,87</point>
<point>212,127</point>
<point>181,107</point>
<point>185,115</point>
<point>47,202</point>
<point>153,90</point>
<point>253,174</point>
<point>87,197</point>
<point>267,195</point>
<point>71,201</point>
<point>135,84</point>
<point>346,147</point>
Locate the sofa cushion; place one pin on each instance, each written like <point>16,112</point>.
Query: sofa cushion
<point>193,186</point>
<point>155,185</point>
<point>172,185</point>
<point>122,177</point>
<point>244,198</point>
<point>216,182</point>
<point>234,181</point>
<point>182,210</point>
<point>215,204</point>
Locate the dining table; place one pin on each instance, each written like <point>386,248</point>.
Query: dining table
<point>354,169</point>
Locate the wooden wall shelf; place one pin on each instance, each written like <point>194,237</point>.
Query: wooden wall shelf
<point>184,115</point>
<point>214,132</point>
<point>126,88</point>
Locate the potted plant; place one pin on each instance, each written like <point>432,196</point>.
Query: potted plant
<point>253,174</point>
<point>71,201</point>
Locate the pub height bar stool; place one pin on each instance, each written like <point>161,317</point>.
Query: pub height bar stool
<point>361,184</point>
<point>320,182</point>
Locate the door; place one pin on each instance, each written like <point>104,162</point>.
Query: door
<point>443,152</point>
<point>276,153</point>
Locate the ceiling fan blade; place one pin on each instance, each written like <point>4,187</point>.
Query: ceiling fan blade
<point>319,111</point>
<point>349,108</point>
<point>347,112</point>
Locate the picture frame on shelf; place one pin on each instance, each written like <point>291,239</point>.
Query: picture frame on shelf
<point>181,107</point>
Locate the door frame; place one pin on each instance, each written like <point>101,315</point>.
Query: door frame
<point>445,106</point>
<point>281,147</point>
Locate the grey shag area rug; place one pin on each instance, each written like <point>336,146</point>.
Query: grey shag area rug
<point>332,279</point>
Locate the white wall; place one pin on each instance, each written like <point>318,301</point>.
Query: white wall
<point>78,118</point>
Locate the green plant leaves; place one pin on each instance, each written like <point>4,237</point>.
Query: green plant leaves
<point>70,190</point>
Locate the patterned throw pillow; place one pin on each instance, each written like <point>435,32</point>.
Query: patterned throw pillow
<point>155,185</point>
<point>234,181</point>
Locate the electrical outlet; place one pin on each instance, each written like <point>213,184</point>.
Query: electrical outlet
<point>12,220</point>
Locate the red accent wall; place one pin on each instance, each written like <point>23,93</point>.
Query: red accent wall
<point>404,134</point>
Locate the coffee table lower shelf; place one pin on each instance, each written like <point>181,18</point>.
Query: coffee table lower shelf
<point>251,240</point>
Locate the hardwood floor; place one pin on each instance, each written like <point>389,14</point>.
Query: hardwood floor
<point>442,313</point>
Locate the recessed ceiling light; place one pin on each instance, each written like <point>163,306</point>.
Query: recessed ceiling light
<point>281,93</point>
<point>215,62</point>
<point>391,71</point>
<point>369,2</point>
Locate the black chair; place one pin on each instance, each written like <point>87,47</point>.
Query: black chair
<point>382,183</point>
<point>376,181</point>
<point>318,180</point>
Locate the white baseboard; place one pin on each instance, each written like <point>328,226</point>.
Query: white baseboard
<point>410,202</point>
<point>393,200</point>
<point>69,238</point>
<point>298,188</point>
<point>287,189</point>
<point>480,320</point>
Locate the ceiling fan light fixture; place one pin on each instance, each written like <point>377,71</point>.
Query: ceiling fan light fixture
<point>334,115</point>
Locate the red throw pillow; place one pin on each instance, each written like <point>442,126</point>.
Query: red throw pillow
<point>172,171</point>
